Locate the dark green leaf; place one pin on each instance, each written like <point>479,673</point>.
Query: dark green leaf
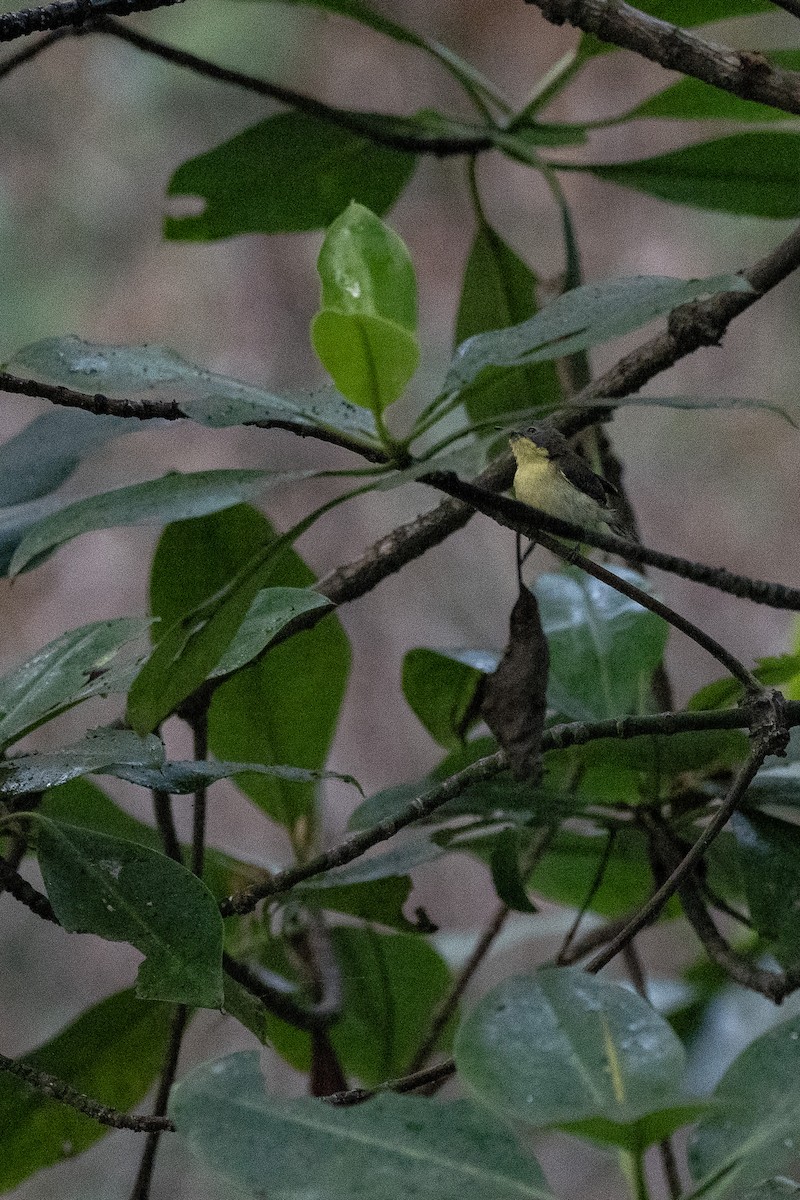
<point>286,174</point>
<point>173,497</point>
<point>567,873</point>
<point>124,892</point>
<point>562,1048</point>
<point>181,778</point>
<point>390,1148</point>
<point>95,753</point>
<point>506,872</point>
<point>156,373</point>
<point>79,664</point>
<point>583,317</point>
<point>723,693</point>
<point>442,687</point>
<point>392,984</point>
<point>499,290</point>
<point>753,173</point>
<point>753,1128</point>
<point>769,857</point>
<point>112,1052</point>
<point>38,459</point>
<point>603,646</point>
<point>691,99</point>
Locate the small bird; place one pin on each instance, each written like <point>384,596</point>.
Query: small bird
<point>550,475</point>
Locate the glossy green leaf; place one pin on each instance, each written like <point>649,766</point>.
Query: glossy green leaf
<point>561,1048</point>
<point>443,689</point>
<point>603,646</point>
<point>769,859</point>
<point>124,892</point>
<point>751,173</point>
<point>96,752</point>
<point>392,984</point>
<point>499,290</point>
<point>112,1052</point>
<point>38,459</point>
<point>753,1128</point>
<point>389,1148</point>
<point>578,319</point>
<point>284,708</point>
<point>78,664</point>
<point>173,497</point>
<point>365,332</point>
<point>288,173</point>
<point>156,373</point>
<point>691,99</point>
<point>84,804</point>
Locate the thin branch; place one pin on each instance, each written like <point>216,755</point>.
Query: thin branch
<point>409,1083</point>
<point>654,905</point>
<point>144,1176</point>
<point>744,73</point>
<point>399,133</point>
<point>30,52</point>
<point>697,635</point>
<point>66,13</point>
<point>165,824</point>
<point>18,887</point>
<point>199,726</point>
<point>563,956</point>
<point>56,1089</point>
<point>96,402</point>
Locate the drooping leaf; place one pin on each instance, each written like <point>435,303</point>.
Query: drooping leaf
<point>38,459</point>
<point>157,373</point>
<point>752,173</point>
<point>383,1149</point>
<point>769,858</point>
<point>365,331</point>
<point>95,753</point>
<point>561,1048</point>
<point>443,688</point>
<point>124,892</point>
<point>603,646</point>
<point>578,319</point>
<point>507,869</point>
<point>288,173</point>
<point>499,290</point>
<point>752,1129</point>
<point>173,497</point>
<point>78,664</point>
<point>112,1052</point>
<point>515,697</point>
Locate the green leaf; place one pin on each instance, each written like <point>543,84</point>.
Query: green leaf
<point>156,373</point>
<point>753,173</point>
<point>499,290</point>
<point>603,646</point>
<point>773,1189</point>
<point>684,13</point>
<point>777,787</point>
<point>112,1052</point>
<point>723,693</point>
<point>568,871</point>
<point>38,459</point>
<point>691,99</point>
<point>99,750</point>
<point>286,174</point>
<point>562,1048</point>
<point>365,332</point>
<point>392,984</point>
<point>124,892</point>
<point>443,688</point>
<point>506,869</point>
<point>172,497</point>
<point>383,1149</point>
<point>753,1128</point>
<point>181,778</point>
<point>769,858</point>
<point>284,708</point>
<point>78,664</point>
<point>578,319</point>
<point>84,804</point>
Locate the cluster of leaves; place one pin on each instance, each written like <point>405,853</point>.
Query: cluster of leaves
<point>247,650</point>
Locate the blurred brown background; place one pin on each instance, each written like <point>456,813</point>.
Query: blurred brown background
<point>91,133</point>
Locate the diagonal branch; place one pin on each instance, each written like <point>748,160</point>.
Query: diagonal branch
<point>742,72</point>
<point>65,13</point>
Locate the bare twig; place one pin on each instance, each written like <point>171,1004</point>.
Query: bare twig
<point>563,956</point>
<point>57,1089</point>
<point>409,1083</point>
<point>144,1176</point>
<point>63,13</point>
<point>744,73</point>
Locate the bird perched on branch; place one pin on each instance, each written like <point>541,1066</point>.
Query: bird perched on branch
<point>552,476</point>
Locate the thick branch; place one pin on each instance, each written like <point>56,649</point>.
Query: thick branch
<point>64,13</point>
<point>742,72</point>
